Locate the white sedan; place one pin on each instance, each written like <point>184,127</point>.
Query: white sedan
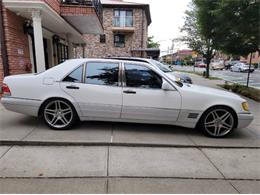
<point>241,67</point>
<point>122,91</point>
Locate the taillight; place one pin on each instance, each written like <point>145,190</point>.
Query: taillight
<point>5,90</point>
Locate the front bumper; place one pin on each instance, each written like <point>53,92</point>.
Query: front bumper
<point>244,119</point>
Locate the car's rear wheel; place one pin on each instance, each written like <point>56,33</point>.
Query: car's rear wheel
<point>218,122</point>
<point>59,114</point>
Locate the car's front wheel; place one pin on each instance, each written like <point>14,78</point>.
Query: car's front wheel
<point>59,114</point>
<point>217,122</point>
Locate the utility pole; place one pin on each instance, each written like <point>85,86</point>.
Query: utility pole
<point>250,63</point>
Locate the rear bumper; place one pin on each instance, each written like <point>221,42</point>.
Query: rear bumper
<point>244,120</point>
<point>20,105</point>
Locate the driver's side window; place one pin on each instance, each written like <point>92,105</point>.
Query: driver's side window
<point>139,76</point>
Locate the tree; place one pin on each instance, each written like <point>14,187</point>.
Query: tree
<point>197,37</point>
<point>237,29</point>
<point>240,28</point>
<point>152,43</point>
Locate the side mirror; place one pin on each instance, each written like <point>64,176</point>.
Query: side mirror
<point>166,86</point>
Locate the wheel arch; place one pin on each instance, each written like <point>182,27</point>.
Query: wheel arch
<point>220,106</point>
<point>56,98</point>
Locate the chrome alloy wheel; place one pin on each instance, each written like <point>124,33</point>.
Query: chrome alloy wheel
<point>58,114</point>
<point>219,122</point>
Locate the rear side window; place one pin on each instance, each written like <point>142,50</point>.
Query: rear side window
<point>102,73</point>
<point>142,77</point>
<point>75,76</point>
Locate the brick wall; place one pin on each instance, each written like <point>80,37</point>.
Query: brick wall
<point>16,42</point>
<point>54,4</point>
<point>132,40</point>
<point>67,10</point>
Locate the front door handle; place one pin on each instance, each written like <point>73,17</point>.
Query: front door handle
<point>72,87</point>
<point>129,92</point>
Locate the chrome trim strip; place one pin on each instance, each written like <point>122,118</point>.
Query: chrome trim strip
<point>21,98</point>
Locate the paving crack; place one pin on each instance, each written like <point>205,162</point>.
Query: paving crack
<point>234,187</point>
<point>23,138</point>
<point>201,150</point>
<point>6,152</point>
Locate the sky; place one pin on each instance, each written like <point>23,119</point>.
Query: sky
<point>167,18</point>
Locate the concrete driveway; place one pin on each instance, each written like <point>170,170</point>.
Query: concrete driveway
<point>102,157</point>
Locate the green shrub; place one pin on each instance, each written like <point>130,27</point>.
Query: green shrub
<point>243,90</point>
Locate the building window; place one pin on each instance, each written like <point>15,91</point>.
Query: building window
<point>62,51</point>
<point>119,40</point>
<point>102,38</point>
<point>123,18</point>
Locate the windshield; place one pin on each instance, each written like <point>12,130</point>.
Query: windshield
<point>161,66</point>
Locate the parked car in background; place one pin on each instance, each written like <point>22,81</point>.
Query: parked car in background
<point>230,63</point>
<point>122,91</point>
<point>163,67</point>
<point>217,65</point>
<point>200,64</point>
<point>242,67</point>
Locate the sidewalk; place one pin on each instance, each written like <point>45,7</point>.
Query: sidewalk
<point>128,170</point>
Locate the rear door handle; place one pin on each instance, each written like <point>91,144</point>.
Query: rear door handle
<point>72,87</point>
<point>129,92</point>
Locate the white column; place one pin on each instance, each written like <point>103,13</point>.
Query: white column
<point>38,40</point>
<point>70,47</point>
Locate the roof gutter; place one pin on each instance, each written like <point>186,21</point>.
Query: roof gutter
<point>3,42</point>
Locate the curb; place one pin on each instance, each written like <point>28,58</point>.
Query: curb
<point>118,144</point>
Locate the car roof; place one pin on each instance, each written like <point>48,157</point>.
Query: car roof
<point>68,66</point>
<point>131,59</point>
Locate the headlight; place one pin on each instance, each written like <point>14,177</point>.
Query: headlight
<point>178,79</point>
<point>245,106</point>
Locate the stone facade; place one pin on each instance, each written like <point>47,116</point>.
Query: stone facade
<point>133,40</point>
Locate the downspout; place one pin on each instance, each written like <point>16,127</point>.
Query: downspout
<point>3,42</point>
<point>142,41</point>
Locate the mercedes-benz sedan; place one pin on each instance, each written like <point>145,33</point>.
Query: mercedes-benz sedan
<point>122,91</point>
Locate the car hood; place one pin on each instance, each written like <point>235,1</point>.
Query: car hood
<point>210,91</point>
<point>174,75</point>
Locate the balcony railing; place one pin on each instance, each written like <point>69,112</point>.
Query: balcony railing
<point>123,21</point>
<point>93,3</point>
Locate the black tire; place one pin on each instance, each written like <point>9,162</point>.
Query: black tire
<point>66,115</point>
<point>208,131</point>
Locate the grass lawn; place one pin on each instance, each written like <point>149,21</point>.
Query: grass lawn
<point>243,90</point>
<point>198,73</point>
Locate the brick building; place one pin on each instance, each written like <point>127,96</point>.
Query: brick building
<point>37,34</point>
<point>255,58</point>
<point>125,30</point>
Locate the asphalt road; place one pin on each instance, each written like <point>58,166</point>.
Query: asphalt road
<point>227,75</point>
<point>103,157</point>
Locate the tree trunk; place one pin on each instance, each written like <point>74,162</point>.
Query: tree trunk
<point>207,68</point>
